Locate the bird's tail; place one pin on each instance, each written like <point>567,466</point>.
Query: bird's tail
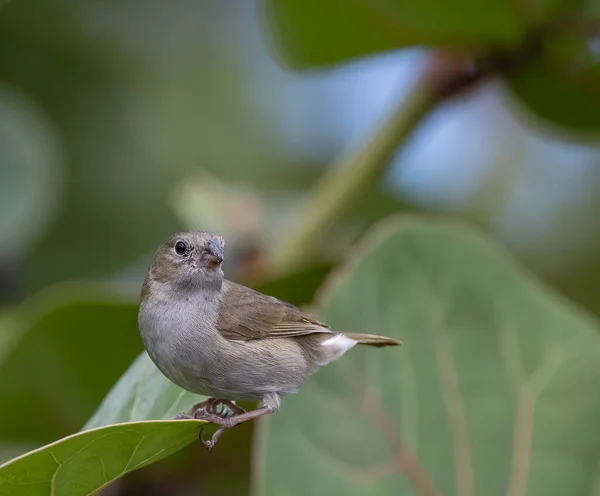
<point>372,340</point>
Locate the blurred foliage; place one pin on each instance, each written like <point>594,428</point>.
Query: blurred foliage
<point>130,121</point>
<point>60,354</point>
<point>122,122</point>
<point>316,33</point>
<point>492,388</point>
<point>30,185</point>
<point>298,287</point>
<point>546,48</point>
<point>71,76</point>
<point>563,85</point>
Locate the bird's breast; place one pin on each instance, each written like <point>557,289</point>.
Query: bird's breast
<point>179,337</point>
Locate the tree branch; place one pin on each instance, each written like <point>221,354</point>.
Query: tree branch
<point>445,75</point>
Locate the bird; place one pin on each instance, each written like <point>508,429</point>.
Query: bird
<point>223,340</point>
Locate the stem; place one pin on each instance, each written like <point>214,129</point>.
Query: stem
<point>344,184</point>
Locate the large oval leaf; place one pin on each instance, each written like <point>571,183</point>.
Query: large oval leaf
<point>84,463</point>
<point>494,392</point>
<point>315,32</point>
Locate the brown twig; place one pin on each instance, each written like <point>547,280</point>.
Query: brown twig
<point>447,73</point>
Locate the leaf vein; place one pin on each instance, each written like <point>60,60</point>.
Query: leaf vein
<point>452,397</point>
<point>529,393</point>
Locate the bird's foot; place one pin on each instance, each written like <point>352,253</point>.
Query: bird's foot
<point>223,423</point>
<point>227,423</point>
<point>216,411</point>
<point>208,410</point>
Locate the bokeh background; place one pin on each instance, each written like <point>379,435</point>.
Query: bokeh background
<point>123,122</point>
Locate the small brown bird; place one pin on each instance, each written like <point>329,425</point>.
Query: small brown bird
<point>216,338</point>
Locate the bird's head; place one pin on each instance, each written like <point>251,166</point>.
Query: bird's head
<point>190,259</point>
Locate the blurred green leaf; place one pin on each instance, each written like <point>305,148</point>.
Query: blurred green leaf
<point>316,33</point>
<point>492,393</point>
<point>562,87</point>
<point>30,173</point>
<point>60,353</point>
<point>86,462</point>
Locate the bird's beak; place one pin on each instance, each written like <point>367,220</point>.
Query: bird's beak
<point>214,254</point>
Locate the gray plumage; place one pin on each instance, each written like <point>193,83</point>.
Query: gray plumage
<point>216,338</point>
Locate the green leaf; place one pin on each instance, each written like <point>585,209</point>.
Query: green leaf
<point>316,33</point>
<point>493,393</point>
<point>86,462</point>
<point>30,176</point>
<point>142,393</point>
<point>562,87</point>
<point>60,353</point>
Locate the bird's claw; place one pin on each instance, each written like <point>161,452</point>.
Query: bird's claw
<point>211,444</point>
<point>207,444</point>
<point>223,423</point>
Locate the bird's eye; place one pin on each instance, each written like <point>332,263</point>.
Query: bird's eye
<point>180,247</point>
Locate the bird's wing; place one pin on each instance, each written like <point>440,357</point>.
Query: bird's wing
<point>247,314</point>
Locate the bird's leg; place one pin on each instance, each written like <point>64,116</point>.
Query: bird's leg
<point>270,405</point>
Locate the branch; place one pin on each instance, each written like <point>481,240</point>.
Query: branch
<point>341,186</point>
